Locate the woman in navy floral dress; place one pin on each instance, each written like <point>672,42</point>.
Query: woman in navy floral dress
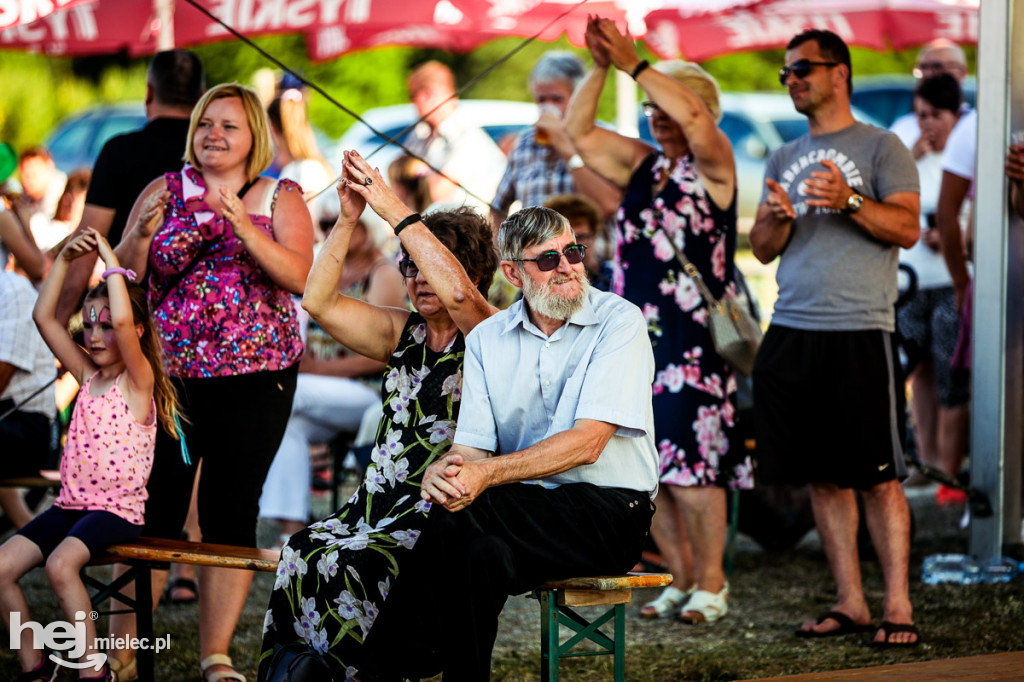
<point>685,192</point>
<point>335,575</point>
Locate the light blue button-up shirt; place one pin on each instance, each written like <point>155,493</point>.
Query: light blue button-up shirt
<point>520,386</point>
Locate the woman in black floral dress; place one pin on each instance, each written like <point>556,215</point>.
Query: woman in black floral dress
<point>335,574</point>
<point>686,192</point>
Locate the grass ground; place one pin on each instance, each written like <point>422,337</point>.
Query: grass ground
<point>770,594</point>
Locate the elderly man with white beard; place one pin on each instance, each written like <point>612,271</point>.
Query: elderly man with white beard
<point>553,468</point>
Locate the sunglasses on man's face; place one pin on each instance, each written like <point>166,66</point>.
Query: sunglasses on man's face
<point>801,68</point>
<point>549,260</point>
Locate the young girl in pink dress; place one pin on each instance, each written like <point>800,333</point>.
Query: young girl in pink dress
<point>107,457</point>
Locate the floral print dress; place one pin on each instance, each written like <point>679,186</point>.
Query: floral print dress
<point>694,390</point>
<point>335,575</point>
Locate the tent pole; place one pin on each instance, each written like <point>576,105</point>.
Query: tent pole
<point>997,361</point>
<point>164,12</point>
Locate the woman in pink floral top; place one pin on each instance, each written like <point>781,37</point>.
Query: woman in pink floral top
<point>222,250</point>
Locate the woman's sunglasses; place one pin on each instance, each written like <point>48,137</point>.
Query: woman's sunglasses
<point>408,268</point>
<point>549,260</point>
<point>801,68</point>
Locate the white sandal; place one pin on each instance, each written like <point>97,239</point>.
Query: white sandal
<point>708,606</point>
<point>216,676</point>
<point>669,599</point>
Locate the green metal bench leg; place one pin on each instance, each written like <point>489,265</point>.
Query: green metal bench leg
<point>548,636</point>
<point>619,653</point>
<point>551,651</point>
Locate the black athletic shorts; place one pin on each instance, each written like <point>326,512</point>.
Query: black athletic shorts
<point>827,408</point>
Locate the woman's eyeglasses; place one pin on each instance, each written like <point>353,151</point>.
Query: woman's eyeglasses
<point>801,68</point>
<point>650,108</point>
<point>408,268</point>
<point>549,260</point>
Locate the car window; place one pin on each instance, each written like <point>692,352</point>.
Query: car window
<point>72,139</point>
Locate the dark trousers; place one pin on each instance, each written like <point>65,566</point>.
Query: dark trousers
<point>442,612</point>
<point>235,425</point>
<point>26,442</point>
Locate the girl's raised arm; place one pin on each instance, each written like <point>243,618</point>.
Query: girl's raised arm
<point>56,335</point>
<point>127,331</point>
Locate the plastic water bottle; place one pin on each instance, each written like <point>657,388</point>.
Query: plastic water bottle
<point>966,570</point>
<point>1000,569</point>
<point>951,568</point>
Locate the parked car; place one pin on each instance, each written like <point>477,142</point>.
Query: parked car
<point>498,118</point>
<point>78,139</point>
<point>757,124</point>
<point>890,96</point>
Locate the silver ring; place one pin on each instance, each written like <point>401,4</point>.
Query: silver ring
<point>369,181</point>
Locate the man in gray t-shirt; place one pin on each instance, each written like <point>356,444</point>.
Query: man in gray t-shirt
<point>838,204</point>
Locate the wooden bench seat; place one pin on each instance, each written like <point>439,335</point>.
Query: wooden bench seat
<point>147,553</point>
<point>557,597</point>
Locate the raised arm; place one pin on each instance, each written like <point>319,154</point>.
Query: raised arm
<point>287,255</point>
<point>610,155</point>
<point>137,368</point>
<point>712,151</point>
<point>370,330</point>
<point>98,218</point>
<point>20,243</point>
<point>442,269</point>
<point>55,334</point>
<point>146,217</point>
<point>386,289</point>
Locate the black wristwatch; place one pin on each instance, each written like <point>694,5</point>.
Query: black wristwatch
<point>853,202</point>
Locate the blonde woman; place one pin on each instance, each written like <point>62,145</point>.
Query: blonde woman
<point>299,156</point>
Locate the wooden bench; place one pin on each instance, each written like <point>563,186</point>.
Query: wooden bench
<point>29,482</point>
<point>147,553</point>
<point>557,598</point>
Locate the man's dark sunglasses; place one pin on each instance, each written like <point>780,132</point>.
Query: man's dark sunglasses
<point>801,68</point>
<point>549,260</point>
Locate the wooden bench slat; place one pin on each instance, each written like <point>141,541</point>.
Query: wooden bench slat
<point>610,582</point>
<point>200,554</point>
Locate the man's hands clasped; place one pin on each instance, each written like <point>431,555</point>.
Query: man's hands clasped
<point>453,482</point>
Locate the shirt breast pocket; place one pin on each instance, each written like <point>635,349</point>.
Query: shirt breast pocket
<point>565,408</point>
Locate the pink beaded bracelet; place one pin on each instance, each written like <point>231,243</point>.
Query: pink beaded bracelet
<point>128,274</point>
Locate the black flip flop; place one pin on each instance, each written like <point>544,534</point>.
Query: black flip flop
<point>180,584</point>
<point>890,628</point>
<point>846,627</point>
